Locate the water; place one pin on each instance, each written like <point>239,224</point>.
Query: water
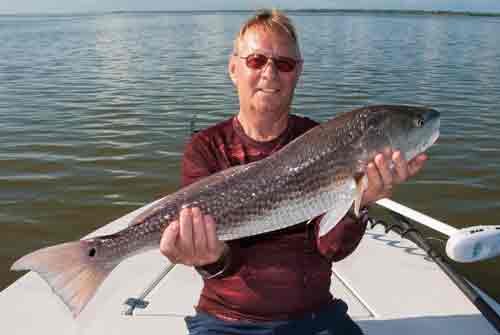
<point>94,110</point>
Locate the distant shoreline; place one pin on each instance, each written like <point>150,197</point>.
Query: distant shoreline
<point>400,11</point>
<point>305,10</point>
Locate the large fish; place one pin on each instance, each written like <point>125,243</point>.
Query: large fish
<point>321,171</point>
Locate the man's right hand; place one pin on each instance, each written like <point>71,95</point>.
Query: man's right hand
<point>192,240</point>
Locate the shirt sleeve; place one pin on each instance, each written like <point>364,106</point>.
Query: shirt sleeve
<point>197,163</point>
<point>343,239</point>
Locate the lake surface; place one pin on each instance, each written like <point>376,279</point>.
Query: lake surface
<point>95,109</point>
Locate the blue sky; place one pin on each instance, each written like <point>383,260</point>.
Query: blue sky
<point>58,6</point>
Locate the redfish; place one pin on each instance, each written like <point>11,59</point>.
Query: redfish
<point>321,171</point>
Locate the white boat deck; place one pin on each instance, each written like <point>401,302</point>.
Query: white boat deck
<point>389,285</point>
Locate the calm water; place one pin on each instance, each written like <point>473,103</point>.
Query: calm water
<point>94,110</point>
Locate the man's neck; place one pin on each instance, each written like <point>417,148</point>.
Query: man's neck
<point>261,128</point>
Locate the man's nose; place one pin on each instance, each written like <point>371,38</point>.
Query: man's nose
<point>269,70</point>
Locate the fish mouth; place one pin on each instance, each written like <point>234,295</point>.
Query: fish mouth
<point>435,117</point>
<point>435,121</point>
<point>433,139</point>
<point>432,120</point>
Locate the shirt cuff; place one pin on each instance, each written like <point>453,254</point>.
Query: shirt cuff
<point>217,269</point>
<point>363,215</point>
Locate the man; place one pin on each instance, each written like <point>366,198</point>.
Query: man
<point>278,282</point>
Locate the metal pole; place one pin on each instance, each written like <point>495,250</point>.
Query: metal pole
<point>139,302</point>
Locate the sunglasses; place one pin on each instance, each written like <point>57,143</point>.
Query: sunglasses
<point>259,61</point>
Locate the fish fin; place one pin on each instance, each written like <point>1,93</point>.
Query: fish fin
<point>146,211</point>
<point>139,218</point>
<point>342,206</point>
<point>331,218</point>
<point>69,270</point>
<point>361,186</point>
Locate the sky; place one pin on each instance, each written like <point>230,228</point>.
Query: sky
<point>72,6</point>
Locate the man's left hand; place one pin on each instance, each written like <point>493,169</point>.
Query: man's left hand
<point>382,179</point>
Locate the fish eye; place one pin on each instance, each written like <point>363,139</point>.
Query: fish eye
<point>372,122</point>
<point>92,252</point>
<point>419,123</point>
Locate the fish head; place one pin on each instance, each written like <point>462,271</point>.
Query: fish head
<point>410,129</point>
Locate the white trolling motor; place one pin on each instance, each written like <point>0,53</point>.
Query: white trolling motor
<point>474,244</point>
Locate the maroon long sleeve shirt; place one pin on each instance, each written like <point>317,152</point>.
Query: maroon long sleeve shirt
<point>274,276</point>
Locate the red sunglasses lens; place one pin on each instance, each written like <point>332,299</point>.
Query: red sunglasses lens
<point>257,62</point>
<point>285,64</point>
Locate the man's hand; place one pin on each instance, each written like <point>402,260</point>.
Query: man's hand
<point>382,179</point>
<point>192,239</point>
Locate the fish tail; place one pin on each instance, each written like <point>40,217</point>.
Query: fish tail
<point>71,270</point>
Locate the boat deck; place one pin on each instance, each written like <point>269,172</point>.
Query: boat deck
<point>389,285</point>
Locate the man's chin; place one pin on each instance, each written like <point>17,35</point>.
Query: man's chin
<point>268,109</point>
<point>269,101</point>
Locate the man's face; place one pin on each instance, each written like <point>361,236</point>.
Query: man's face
<point>265,90</point>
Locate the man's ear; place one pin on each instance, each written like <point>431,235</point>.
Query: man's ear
<point>232,68</point>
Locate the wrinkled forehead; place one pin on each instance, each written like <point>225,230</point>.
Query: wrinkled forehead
<point>273,42</point>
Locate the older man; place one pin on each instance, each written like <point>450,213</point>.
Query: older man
<point>279,282</point>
